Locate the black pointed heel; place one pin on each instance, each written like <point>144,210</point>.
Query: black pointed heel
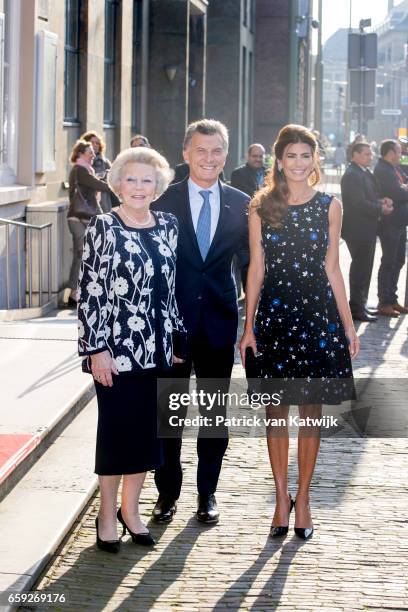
<point>144,539</point>
<point>277,532</point>
<point>110,546</point>
<point>304,533</point>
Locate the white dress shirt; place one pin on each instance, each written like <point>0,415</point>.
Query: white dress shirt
<point>196,202</point>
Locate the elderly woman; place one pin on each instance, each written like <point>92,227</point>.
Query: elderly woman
<point>129,332</point>
<point>83,204</point>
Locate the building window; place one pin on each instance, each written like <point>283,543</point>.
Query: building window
<point>252,9</point>
<point>110,61</point>
<point>71,73</point>
<point>245,12</point>
<point>9,89</point>
<point>137,64</point>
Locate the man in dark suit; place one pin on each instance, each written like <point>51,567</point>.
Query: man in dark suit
<point>251,176</point>
<point>392,231</point>
<point>363,209</point>
<point>212,228</point>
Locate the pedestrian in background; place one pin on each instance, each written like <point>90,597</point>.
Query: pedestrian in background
<point>298,323</point>
<point>129,330</point>
<point>101,165</point>
<point>138,140</point>
<point>84,188</point>
<point>251,176</point>
<point>358,138</point>
<point>392,231</point>
<point>362,210</point>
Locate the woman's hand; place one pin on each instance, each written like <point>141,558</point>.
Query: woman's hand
<point>247,340</point>
<point>177,360</point>
<point>354,342</point>
<point>102,366</point>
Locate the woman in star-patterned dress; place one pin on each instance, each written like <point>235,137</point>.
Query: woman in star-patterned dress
<point>298,321</point>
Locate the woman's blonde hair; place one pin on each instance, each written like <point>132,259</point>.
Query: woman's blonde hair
<point>141,155</point>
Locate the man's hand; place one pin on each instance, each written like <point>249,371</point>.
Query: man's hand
<point>386,206</point>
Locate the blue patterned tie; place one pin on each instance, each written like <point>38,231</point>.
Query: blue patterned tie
<point>204,224</point>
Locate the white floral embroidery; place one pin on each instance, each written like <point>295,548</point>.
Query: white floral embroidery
<point>136,323</point>
<point>132,247</point>
<point>81,329</point>
<point>168,326</point>
<point>117,328</point>
<point>94,289</point>
<point>123,363</point>
<point>149,268</point>
<point>121,286</point>
<point>164,250</point>
<point>86,251</point>
<point>116,260</point>
<point>151,344</point>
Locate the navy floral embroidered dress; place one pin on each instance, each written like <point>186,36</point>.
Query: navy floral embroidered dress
<point>298,329</point>
<point>127,306</point>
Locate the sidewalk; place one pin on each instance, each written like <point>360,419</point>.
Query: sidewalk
<point>42,386</point>
<point>357,559</point>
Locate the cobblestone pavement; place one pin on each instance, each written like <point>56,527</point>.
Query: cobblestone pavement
<point>357,559</point>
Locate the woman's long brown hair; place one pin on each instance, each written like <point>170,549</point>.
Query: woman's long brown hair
<point>271,202</point>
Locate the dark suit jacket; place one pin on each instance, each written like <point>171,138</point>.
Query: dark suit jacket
<point>182,171</point>
<point>205,290</point>
<point>361,204</point>
<point>390,187</point>
<point>244,178</point>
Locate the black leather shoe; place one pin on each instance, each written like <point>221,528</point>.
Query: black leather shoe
<point>144,539</point>
<point>363,316</point>
<point>110,546</point>
<point>164,510</point>
<point>73,303</point>
<point>279,531</point>
<point>371,311</point>
<point>207,511</point>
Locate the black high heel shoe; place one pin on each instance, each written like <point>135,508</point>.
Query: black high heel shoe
<point>144,539</point>
<point>305,533</point>
<point>110,546</point>
<point>72,302</point>
<point>279,531</point>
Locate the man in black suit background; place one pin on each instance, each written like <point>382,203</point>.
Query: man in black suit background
<point>363,209</point>
<point>392,231</point>
<point>251,176</point>
<point>212,229</point>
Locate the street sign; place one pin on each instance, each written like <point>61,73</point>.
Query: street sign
<point>362,87</point>
<point>391,111</point>
<point>362,51</point>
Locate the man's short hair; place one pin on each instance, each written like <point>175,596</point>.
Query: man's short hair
<point>387,146</point>
<point>358,147</point>
<point>255,144</point>
<point>207,127</point>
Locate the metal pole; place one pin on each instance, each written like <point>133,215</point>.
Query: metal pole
<point>49,264</point>
<point>8,265</point>
<point>18,266</point>
<point>40,269</point>
<point>30,268</point>
<point>319,72</point>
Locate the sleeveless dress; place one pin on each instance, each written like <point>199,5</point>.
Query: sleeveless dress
<point>298,331</point>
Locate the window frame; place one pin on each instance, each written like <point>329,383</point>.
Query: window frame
<point>72,51</point>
